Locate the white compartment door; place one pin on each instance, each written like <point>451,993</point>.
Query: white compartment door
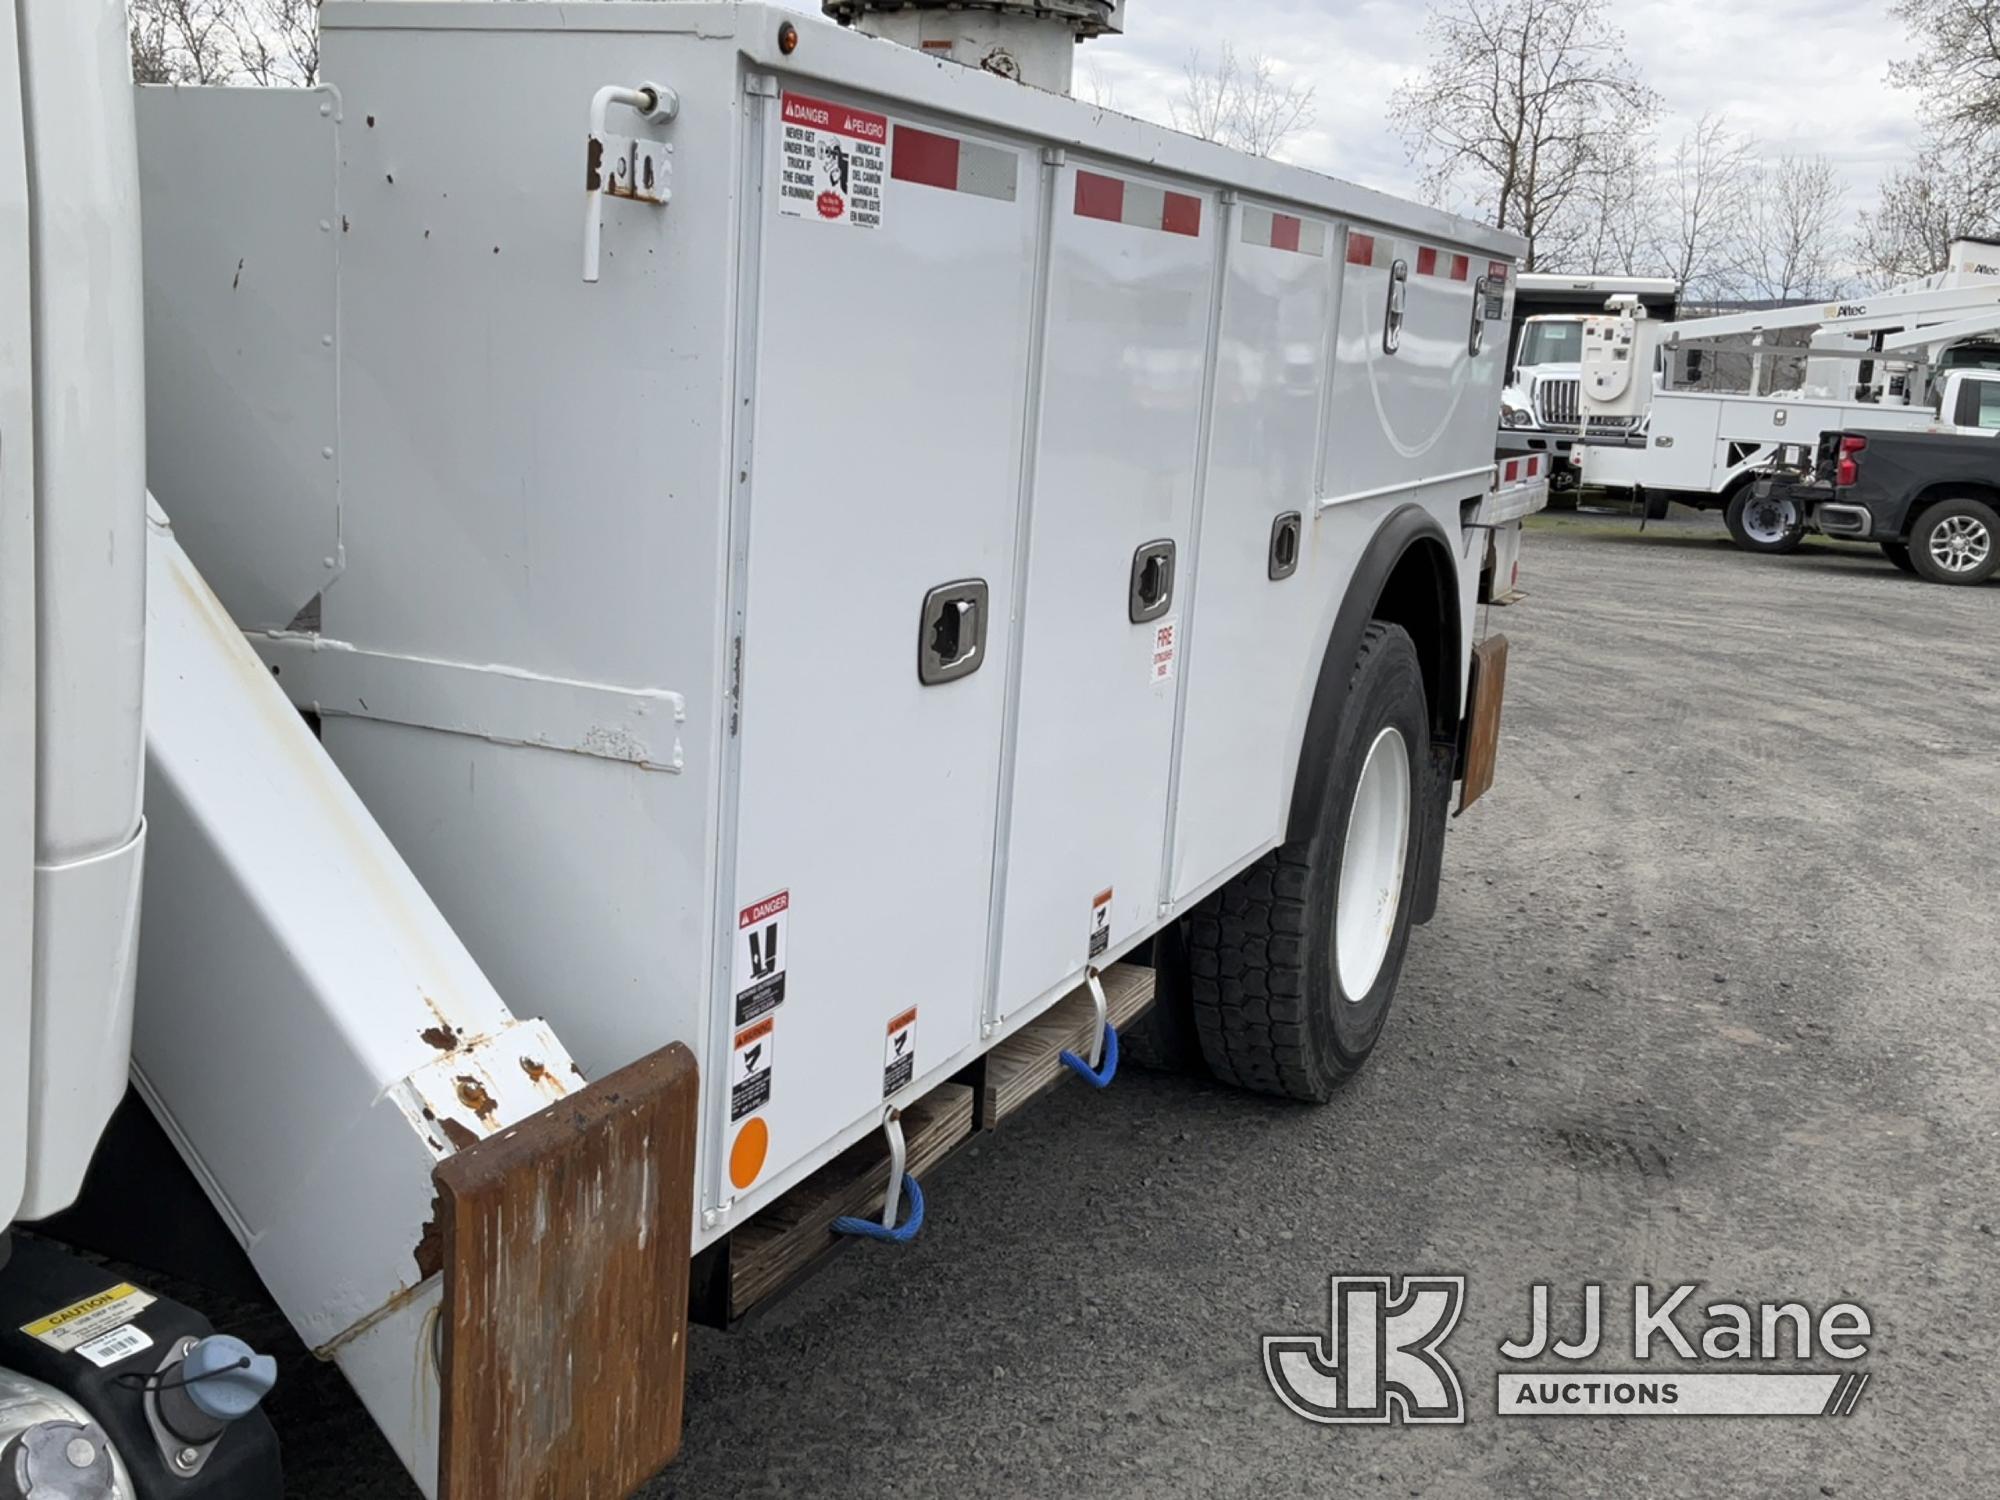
<point>1130,284</point>
<point>897,278</point>
<point>1265,564</point>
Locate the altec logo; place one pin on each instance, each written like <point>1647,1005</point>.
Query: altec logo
<point>1381,1363</point>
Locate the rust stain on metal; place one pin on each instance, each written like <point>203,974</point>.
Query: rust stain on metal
<point>565,1291</point>
<point>430,1244</point>
<point>442,1037</point>
<point>593,170</point>
<point>473,1095</point>
<point>535,1071</point>
<point>458,1132</point>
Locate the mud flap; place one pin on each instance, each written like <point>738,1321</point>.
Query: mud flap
<point>1481,738</point>
<point>565,1243</point>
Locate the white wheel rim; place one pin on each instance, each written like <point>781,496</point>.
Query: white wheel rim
<point>1371,865</point>
<point>1960,544</point>
<point>1769,520</point>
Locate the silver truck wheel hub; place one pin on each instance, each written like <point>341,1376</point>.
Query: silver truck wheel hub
<point>1960,543</point>
<point>1371,864</point>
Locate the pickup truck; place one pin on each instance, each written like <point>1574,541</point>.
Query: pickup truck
<point>1930,500</point>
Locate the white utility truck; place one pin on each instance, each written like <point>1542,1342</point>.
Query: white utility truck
<point>1877,361</point>
<point>1541,408</point>
<point>726,599</point>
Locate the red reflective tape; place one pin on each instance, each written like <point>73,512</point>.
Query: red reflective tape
<point>1285,232</point>
<point>1099,197</point>
<point>1461,267</point>
<point>1427,262</point>
<point>1183,214</point>
<point>1360,249</point>
<point>925,158</point>
<point>1513,471</point>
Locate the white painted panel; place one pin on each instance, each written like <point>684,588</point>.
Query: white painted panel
<point>1252,651</point>
<point>1427,409</point>
<point>1128,333</point>
<point>17,639</point>
<point>243,230</point>
<point>891,384</point>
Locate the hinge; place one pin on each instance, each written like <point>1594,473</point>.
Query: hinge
<point>1054,156</point>
<point>735,685</point>
<point>1227,196</point>
<point>761,85</point>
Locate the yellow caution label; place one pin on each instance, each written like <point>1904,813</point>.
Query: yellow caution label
<point>83,1321</point>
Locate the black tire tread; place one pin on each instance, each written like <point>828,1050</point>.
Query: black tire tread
<point>1246,950</point>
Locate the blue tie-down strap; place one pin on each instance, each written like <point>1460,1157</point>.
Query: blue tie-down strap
<point>870,1229</point>
<point>1097,1078</point>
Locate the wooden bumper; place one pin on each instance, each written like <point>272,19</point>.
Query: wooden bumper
<point>566,1292</point>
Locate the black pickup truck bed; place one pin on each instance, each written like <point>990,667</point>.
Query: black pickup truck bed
<point>1930,499</point>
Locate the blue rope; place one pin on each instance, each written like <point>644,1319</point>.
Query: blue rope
<point>871,1229</point>
<point>1097,1078</point>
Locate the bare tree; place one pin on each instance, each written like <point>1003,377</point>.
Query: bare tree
<point>1706,199</point>
<point>184,41</point>
<point>1942,196</point>
<point>1794,247</point>
<point>1958,71</point>
<point>1093,87</point>
<point>1519,101</point>
<point>1614,199</point>
<point>1241,102</point>
<point>278,41</point>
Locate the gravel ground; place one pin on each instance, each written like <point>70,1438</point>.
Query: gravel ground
<point>1710,997</point>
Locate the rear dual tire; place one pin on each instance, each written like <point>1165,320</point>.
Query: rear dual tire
<point>1291,966</point>
<point>1771,524</point>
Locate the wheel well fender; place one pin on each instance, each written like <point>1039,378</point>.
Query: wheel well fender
<point>1406,576</point>
<point>1947,489</point>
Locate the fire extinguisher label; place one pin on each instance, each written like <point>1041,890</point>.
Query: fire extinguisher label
<point>763,944</point>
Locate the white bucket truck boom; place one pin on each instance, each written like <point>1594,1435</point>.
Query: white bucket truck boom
<point>788,563</point>
<point>1871,361</point>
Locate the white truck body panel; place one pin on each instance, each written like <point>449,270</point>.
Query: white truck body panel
<point>75,452</point>
<point>622,637</point>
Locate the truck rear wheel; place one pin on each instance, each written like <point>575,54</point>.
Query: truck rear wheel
<point>1956,540</point>
<point>1293,963</point>
<point>1771,523</point>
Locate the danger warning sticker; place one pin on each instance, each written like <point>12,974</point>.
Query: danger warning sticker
<point>1166,649</point>
<point>899,1053</point>
<point>762,943</point>
<point>833,163</point>
<point>68,1327</point>
<point>750,1069</point>
<point>1100,924</point>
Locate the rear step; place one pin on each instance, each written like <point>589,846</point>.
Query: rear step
<point>781,1245</point>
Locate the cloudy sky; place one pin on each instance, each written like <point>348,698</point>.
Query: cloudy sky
<point>1731,55</point>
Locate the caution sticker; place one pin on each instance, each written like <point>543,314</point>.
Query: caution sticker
<point>762,943</point>
<point>1166,649</point>
<point>899,1053</point>
<point>833,163</point>
<point>107,1349</point>
<point>750,1069</point>
<point>80,1322</point>
<point>1100,923</point>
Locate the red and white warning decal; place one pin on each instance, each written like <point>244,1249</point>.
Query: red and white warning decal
<point>1100,923</point>
<point>750,1069</point>
<point>1496,270</point>
<point>1136,203</point>
<point>957,166</point>
<point>763,944</point>
<point>1369,250</point>
<point>833,162</point>
<point>1445,263</point>
<point>1166,649</point>
<point>1283,231</point>
<point>899,1053</point>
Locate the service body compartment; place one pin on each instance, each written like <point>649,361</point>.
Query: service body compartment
<point>867,795</point>
<point>1131,278</point>
<point>759,644</point>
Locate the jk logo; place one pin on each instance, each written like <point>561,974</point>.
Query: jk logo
<point>1381,1363</point>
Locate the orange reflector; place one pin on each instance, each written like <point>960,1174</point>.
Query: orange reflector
<point>746,1157</point>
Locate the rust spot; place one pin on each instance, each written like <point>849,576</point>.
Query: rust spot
<point>371,122</point>
<point>430,1245</point>
<point>534,1070</point>
<point>472,1094</point>
<point>458,1133</point>
<point>238,281</point>
<point>392,178</point>
<point>441,1037</point>
<point>593,171</point>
